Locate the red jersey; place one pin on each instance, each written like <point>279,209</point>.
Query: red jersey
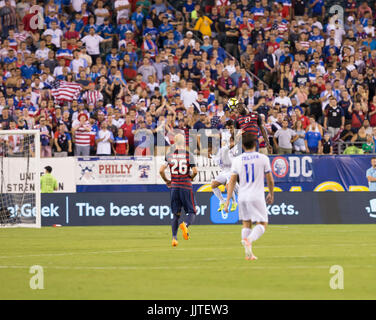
<point>249,123</point>
<point>128,128</point>
<point>305,121</point>
<point>121,145</point>
<point>180,161</point>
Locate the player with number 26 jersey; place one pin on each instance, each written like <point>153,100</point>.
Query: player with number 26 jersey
<point>180,161</point>
<point>183,170</point>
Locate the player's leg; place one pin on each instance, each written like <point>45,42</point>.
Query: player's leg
<point>214,185</point>
<point>175,228</point>
<point>176,211</point>
<point>189,205</point>
<point>260,216</point>
<point>246,231</point>
<point>257,231</point>
<point>245,217</point>
<point>234,204</point>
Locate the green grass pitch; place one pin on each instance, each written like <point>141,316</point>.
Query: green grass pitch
<point>138,262</point>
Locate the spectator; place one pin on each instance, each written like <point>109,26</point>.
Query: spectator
<point>348,132</point>
<point>226,86</point>
<point>45,137</point>
<point>271,65</point>
<point>81,132</point>
<point>327,146</point>
<point>369,145</point>
<point>334,119</point>
<point>360,137</point>
<point>92,42</point>
<point>143,139</point>
<point>284,138</point>
<point>104,140</point>
<point>62,142</point>
<point>8,18</point>
<point>358,113</point>
<point>299,143</point>
<point>203,24</point>
<point>313,137</point>
<point>188,95</point>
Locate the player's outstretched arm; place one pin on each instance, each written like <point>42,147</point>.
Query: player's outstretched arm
<point>230,189</point>
<point>270,183</point>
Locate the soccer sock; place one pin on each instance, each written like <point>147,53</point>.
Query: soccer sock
<point>256,233</point>
<point>190,219</point>
<point>246,232</point>
<point>218,194</point>
<point>175,226</point>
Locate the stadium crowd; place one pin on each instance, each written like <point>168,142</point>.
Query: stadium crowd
<point>94,75</point>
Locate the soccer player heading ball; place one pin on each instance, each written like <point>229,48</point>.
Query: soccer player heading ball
<point>181,163</point>
<point>250,122</point>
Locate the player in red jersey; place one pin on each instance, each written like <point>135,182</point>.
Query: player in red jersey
<point>180,162</point>
<point>250,122</point>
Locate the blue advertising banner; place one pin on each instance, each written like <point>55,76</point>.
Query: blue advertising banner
<point>73,209</point>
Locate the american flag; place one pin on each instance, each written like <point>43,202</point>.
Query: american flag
<point>92,96</point>
<point>65,91</point>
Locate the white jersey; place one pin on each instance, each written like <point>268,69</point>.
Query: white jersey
<point>224,158</point>
<point>225,137</point>
<point>251,168</point>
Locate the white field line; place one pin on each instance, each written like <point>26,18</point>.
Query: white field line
<point>169,249</point>
<point>249,266</point>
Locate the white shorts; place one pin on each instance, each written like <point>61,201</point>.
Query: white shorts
<point>223,177</point>
<point>254,211</point>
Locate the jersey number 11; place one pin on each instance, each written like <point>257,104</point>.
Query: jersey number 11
<point>247,172</point>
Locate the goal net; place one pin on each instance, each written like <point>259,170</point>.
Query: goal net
<point>20,178</point>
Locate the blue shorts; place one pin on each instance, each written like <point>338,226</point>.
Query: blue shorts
<point>182,198</point>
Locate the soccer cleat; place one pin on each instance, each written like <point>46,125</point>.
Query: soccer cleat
<point>221,207</point>
<point>234,206</point>
<point>184,229</point>
<point>251,258</point>
<point>248,250</point>
<point>174,243</point>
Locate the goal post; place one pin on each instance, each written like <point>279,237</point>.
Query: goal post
<point>20,198</point>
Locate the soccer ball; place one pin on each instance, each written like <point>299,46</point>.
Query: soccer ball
<point>232,102</point>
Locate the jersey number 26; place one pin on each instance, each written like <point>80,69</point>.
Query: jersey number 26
<point>179,166</point>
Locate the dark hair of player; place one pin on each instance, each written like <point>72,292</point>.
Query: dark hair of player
<point>229,123</point>
<point>49,169</point>
<point>249,141</point>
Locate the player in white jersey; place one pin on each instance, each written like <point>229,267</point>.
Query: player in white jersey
<point>224,159</point>
<point>251,168</point>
